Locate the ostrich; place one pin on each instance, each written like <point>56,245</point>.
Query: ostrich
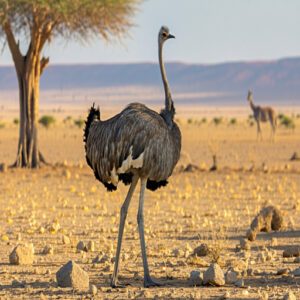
<point>262,114</point>
<point>138,143</point>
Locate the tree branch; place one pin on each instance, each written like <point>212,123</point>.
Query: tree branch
<point>44,63</point>
<point>14,47</point>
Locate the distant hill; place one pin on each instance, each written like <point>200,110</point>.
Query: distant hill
<point>274,80</point>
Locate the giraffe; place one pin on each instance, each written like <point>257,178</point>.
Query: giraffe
<point>262,114</point>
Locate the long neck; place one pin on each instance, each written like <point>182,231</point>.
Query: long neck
<point>169,107</point>
<point>252,104</point>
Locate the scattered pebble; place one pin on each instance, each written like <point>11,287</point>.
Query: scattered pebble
<point>66,240</point>
<point>214,275</point>
<point>22,255</point>
<point>239,283</point>
<point>244,244</point>
<point>201,250</point>
<point>289,296</point>
<point>293,251</point>
<point>72,275</point>
<point>297,272</point>
<point>231,277</point>
<point>93,289</point>
<point>195,278</point>
<point>48,249</point>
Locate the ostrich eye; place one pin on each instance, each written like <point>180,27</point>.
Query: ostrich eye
<point>164,34</point>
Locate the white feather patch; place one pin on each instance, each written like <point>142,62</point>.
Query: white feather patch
<point>130,163</point>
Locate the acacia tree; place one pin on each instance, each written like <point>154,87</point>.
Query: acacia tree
<point>38,21</point>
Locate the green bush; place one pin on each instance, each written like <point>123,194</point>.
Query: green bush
<point>287,122</point>
<point>79,123</point>
<point>190,121</point>
<point>16,121</point>
<point>217,120</point>
<point>203,120</point>
<point>233,121</point>
<point>47,121</point>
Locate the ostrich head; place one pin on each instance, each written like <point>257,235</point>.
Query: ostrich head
<point>164,34</point>
<point>249,97</point>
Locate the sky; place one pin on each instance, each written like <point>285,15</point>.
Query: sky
<point>207,31</point>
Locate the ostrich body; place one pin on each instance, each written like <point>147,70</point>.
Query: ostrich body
<point>138,143</point>
<point>262,114</point>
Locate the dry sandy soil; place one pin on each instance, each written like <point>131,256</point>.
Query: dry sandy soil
<point>196,207</point>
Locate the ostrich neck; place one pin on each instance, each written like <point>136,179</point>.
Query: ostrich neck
<point>168,97</point>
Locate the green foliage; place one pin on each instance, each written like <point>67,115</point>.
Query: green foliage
<point>287,122</point>
<point>69,18</point>
<point>16,121</point>
<point>233,121</point>
<point>190,121</point>
<point>79,123</point>
<point>203,120</point>
<point>217,120</point>
<point>281,116</point>
<point>47,121</point>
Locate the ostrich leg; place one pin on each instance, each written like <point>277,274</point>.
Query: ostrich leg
<point>123,214</point>
<point>148,282</point>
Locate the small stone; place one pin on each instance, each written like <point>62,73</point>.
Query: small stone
<point>3,168</point>
<point>195,278</point>
<point>22,255</point>
<point>214,275</point>
<point>244,244</point>
<point>48,249</point>
<point>239,283</point>
<point>66,173</point>
<point>202,250</point>
<point>274,242</point>
<point>297,260</point>
<point>66,240</point>
<point>293,251</point>
<point>289,296</point>
<point>90,246</point>
<point>72,275</point>
<point>264,296</point>
<point>282,271</point>
<point>297,272</point>
<point>231,277</point>
<point>93,289</point>
<point>81,246</point>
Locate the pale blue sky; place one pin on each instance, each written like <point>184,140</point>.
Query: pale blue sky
<point>207,31</point>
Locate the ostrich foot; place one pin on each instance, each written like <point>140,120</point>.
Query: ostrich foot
<point>149,282</point>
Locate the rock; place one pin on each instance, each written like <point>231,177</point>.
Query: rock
<point>244,244</point>
<point>296,272</point>
<point>81,246</point>
<point>202,250</point>
<point>90,246</point>
<point>66,240</point>
<point>231,277</point>
<point>3,167</point>
<point>297,260</point>
<point>269,218</point>
<point>295,156</point>
<point>289,296</point>
<point>293,251</point>
<point>22,255</point>
<point>214,275</point>
<point>72,275</point>
<point>48,249</point>
<point>195,278</point>
<point>239,283</point>
<point>93,289</point>
<point>282,271</point>
<point>66,173</point>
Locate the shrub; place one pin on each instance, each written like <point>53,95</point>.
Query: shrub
<point>190,121</point>
<point>233,121</point>
<point>287,122</point>
<point>217,120</point>
<point>16,121</point>
<point>47,121</point>
<point>203,120</point>
<point>79,123</point>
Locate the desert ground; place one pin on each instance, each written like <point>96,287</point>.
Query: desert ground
<point>198,206</point>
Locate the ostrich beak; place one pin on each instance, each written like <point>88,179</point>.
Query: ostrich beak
<point>171,36</point>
